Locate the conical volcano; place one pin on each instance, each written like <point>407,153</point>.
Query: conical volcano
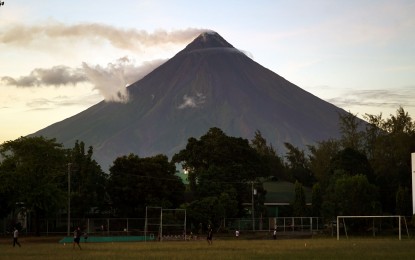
<point>208,84</point>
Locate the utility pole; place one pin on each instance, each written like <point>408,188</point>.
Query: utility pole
<point>69,198</point>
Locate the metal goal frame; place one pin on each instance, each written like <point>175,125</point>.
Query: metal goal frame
<point>373,217</point>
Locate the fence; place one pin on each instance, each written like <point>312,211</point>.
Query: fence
<point>93,226</point>
<point>285,224</point>
<point>136,226</point>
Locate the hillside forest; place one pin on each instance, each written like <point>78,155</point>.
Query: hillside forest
<point>367,171</point>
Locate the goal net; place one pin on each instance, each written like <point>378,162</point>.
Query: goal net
<point>374,225</point>
<point>165,224</point>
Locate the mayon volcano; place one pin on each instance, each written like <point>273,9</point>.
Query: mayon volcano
<point>208,84</point>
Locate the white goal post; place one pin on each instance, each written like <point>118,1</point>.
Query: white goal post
<point>368,217</point>
<point>154,223</point>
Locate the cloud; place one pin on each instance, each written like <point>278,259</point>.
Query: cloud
<point>128,39</point>
<point>192,101</point>
<point>111,81</point>
<point>55,76</point>
<point>380,98</point>
<point>41,104</point>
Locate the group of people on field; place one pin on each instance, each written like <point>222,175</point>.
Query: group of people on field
<point>77,236</point>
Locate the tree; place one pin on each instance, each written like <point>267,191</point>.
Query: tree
<point>33,167</point>
<point>403,202</point>
<point>298,165</point>
<point>352,162</point>
<point>354,195</point>
<point>219,164</point>
<point>273,163</point>
<point>299,209</point>
<point>135,183</point>
<point>8,185</point>
<point>321,156</point>
<point>88,182</point>
<point>390,158</point>
<point>374,130</point>
<point>351,134</point>
<point>316,200</point>
<point>401,123</point>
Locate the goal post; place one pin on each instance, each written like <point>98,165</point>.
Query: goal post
<point>165,223</point>
<point>153,222</point>
<point>343,218</point>
<point>413,182</point>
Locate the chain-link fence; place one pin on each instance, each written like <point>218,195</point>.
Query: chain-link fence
<point>304,224</point>
<point>173,224</point>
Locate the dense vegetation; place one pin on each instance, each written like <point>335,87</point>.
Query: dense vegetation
<point>366,172</point>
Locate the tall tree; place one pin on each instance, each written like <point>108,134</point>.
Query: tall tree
<point>401,123</point>
<point>299,204</point>
<point>298,165</point>
<point>374,130</point>
<point>316,200</point>
<point>391,156</point>
<point>351,131</point>
<point>403,202</point>
<point>269,157</point>
<point>35,166</point>
<point>352,162</point>
<point>219,164</point>
<point>88,182</point>
<point>8,187</point>
<point>135,183</point>
<point>321,156</point>
<point>356,196</point>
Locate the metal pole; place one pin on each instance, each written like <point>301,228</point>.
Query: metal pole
<point>413,182</point>
<point>400,228</point>
<point>253,209</point>
<point>145,227</point>
<point>337,227</point>
<point>161,224</point>
<point>69,199</point>
<point>185,232</point>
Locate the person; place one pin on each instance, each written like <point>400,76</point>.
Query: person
<point>237,233</point>
<point>274,235</point>
<point>16,237</point>
<point>85,236</point>
<point>209,235</point>
<point>76,238</point>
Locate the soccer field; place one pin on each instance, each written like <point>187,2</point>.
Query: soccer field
<point>320,248</point>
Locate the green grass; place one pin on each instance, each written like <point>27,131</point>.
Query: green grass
<point>320,248</point>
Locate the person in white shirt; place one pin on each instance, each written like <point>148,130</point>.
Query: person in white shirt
<point>16,237</point>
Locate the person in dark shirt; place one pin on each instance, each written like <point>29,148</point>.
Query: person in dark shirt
<point>209,235</point>
<point>77,238</point>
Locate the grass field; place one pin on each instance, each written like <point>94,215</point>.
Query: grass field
<point>319,248</point>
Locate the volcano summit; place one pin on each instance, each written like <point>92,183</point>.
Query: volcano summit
<point>208,84</point>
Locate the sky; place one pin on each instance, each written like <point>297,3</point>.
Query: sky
<point>57,58</point>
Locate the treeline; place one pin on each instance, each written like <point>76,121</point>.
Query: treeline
<point>365,172</point>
